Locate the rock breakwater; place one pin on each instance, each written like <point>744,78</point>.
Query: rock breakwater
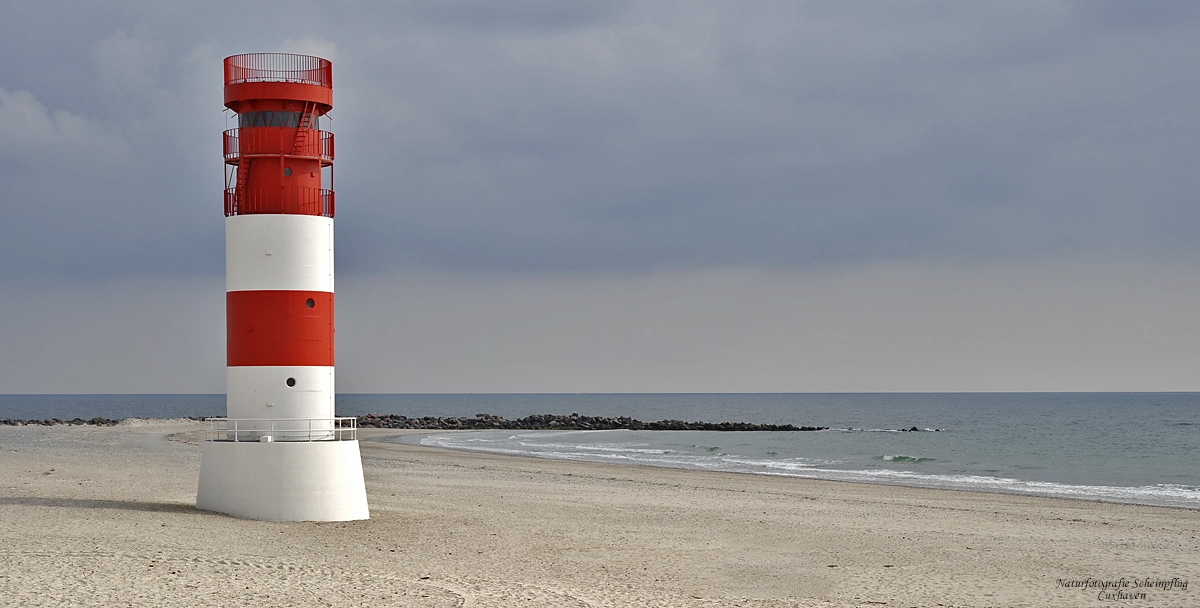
<point>572,422</point>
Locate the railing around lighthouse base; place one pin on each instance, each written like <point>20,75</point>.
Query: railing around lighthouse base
<point>266,430</point>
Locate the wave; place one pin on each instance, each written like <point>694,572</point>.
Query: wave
<point>709,458</point>
<point>1168,495</point>
<point>903,458</point>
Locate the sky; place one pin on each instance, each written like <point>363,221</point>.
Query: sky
<point>542,196</point>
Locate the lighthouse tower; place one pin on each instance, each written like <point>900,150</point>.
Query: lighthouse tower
<point>281,454</point>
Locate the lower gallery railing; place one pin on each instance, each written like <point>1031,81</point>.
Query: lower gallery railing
<point>297,200</point>
<point>280,429</point>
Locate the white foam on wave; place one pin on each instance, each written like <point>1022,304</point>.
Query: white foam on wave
<point>1159,494</point>
<point>640,453</point>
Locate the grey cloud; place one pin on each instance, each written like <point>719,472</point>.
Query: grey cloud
<point>593,137</point>
<point>518,14</point>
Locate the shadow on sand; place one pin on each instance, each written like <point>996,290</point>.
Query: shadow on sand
<point>78,503</point>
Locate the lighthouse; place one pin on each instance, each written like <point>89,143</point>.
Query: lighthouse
<point>280,454</point>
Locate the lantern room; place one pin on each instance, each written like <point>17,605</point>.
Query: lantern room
<point>278,159</point>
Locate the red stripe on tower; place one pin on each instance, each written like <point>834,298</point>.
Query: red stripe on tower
<point>279,328</point>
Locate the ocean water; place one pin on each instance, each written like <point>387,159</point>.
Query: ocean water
<point>1139,448</point>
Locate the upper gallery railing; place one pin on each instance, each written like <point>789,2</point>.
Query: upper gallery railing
<point>278,67</point>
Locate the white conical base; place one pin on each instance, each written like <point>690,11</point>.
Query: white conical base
<point>283,480</point>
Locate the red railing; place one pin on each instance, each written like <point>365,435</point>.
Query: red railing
<point>298,201</point>
<point>273,141</point>
<point>278,67</point>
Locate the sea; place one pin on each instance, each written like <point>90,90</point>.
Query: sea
<point>1139,448</point>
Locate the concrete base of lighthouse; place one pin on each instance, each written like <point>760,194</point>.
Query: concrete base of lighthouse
<point>283,480</point>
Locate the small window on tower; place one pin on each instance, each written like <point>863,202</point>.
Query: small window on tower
<point>310,303</point>
<point>287,171</point>
<point>291,382</point>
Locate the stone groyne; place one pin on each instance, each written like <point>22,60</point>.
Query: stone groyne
<point>491,421</point>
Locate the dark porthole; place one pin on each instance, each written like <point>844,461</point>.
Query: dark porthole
<point>287,171</point>
<point>309,303</point>
<point>291,382</point>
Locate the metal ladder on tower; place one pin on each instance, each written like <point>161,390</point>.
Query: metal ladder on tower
<point>240,202</point>
<point>298,145</point>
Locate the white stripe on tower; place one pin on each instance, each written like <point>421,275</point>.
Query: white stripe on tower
<point>279,252</point>
<point>279,284</point>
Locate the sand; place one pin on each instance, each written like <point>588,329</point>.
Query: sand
<point>105,517</point>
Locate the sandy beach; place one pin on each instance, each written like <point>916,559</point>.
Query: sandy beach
<point>104,516</point>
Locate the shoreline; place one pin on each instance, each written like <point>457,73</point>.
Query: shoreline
<point>381,440</point>
<point>400,426</point>
<point>828,478</point>
<point>105,515</point>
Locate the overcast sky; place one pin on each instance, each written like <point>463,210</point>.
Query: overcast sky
<point>623,197</point>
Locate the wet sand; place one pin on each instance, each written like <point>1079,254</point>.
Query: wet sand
<point>104,516</point>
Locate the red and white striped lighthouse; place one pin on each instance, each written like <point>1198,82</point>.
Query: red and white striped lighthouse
<point>281,453</point>
<point>279,238</point>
